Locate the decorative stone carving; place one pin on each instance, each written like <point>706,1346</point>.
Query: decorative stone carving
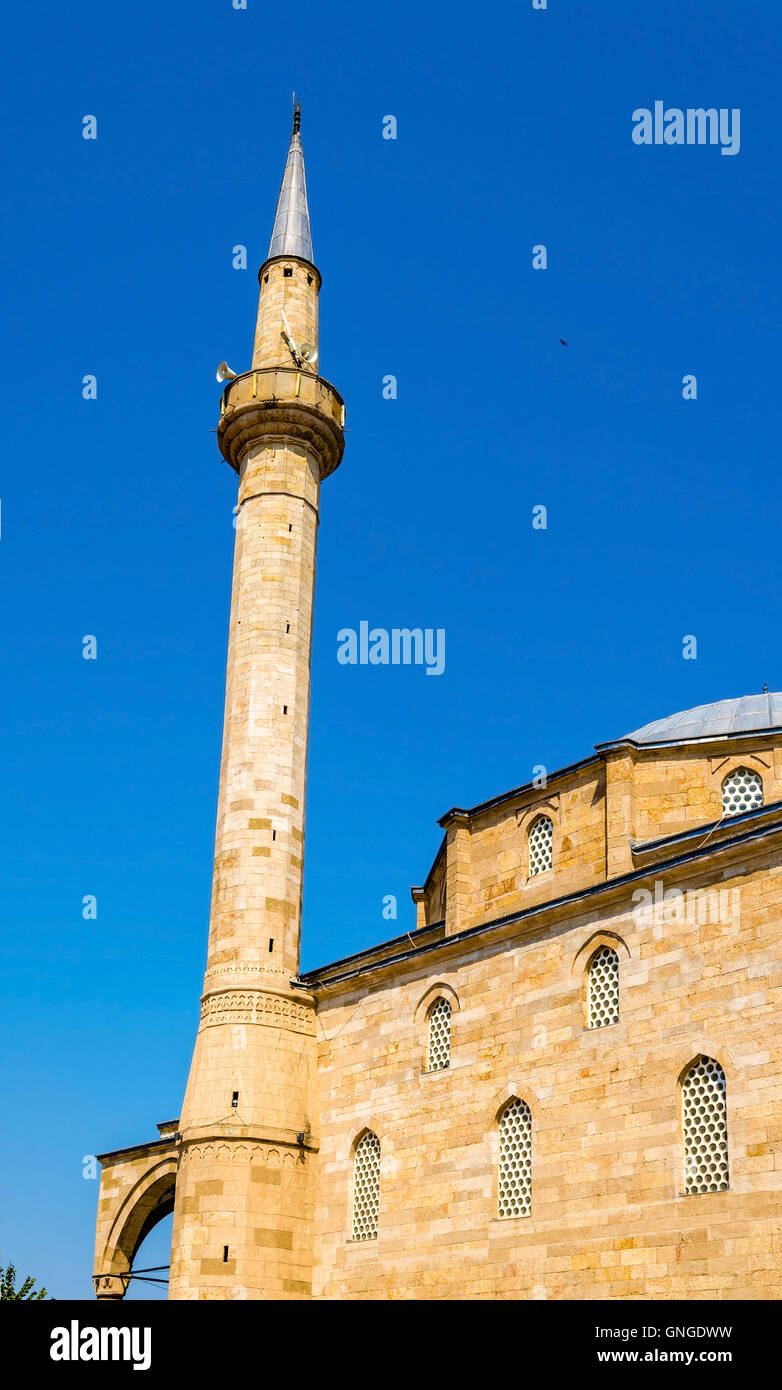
<point>251,1006</point>
<point>267,1156</point>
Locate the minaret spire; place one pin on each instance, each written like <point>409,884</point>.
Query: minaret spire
<point>291,235</point>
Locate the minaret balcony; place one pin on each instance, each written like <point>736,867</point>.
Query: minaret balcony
<point>283,401</point>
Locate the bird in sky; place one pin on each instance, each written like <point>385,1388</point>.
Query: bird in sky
<point>562,340</point>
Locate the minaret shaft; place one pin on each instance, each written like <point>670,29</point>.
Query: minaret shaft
<point>292,296</point>
<point>259,848</point>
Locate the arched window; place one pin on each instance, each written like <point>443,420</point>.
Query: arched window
<point>705,1127</point>
<point>514,1187</point>
<point>742,790</point>
<point>540,837</point>
<point>603,988</point>
<point>366,1187</point>
<point>438,1050</point>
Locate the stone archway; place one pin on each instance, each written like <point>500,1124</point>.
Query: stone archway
<point>136,1192</point>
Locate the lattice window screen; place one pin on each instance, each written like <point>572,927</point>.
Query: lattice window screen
<point>366,1187</point>
<point>438,1054</point>
<point>741,791</point>
<point>540,841</point>
<point>603,988</point>
<point>514,1192</point>
<point>705,1126</point>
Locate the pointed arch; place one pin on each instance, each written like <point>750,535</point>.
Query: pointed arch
<point>601,937</point>
<point>146,1180</point>
<point>434,1023</point>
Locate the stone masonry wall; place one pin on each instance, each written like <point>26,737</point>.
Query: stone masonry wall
<point>609,1218</point>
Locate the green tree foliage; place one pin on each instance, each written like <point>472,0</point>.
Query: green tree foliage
<point>26,1290</point>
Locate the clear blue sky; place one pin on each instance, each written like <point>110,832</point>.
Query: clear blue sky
<point>514,128</point>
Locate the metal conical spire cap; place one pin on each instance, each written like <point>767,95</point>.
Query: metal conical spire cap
<point>291,235</point>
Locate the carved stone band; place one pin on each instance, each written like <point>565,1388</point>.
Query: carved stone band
<point>253,1007</point>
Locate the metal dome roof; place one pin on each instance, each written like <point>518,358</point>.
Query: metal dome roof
<point>749,714</point>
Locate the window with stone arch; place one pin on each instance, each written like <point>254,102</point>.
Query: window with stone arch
<point>438,1037</point>
<point>541,836</point>
<point>602,988</point>
<point>742,790</point>
<point>366,1187</point>
<point>514,1177</point>
<point>705,1127</point>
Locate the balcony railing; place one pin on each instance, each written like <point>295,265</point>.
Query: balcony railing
<point>269,384</point>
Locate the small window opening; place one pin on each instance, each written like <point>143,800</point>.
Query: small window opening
<point>540,845</point>
<point>366,1187</point>
<point>290,528</point>
<point>285,709</point>
<point>439,1048</point>
<point>514,1187</point>
<point>705,1127</point>
<point>271,943</point>
<point>225,1254</point>
<point>235,1099</point>
<point>288,271</point>
<point>741,791</point>
<point>274,834</point>
<point>266,278</point>
<point>287,627</point>
<point>603,989</point>
<point>309,279</point>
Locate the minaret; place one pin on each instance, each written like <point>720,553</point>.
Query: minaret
<point>245,1184</point>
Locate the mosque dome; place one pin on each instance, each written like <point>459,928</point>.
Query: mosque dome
<point>749,714</point>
